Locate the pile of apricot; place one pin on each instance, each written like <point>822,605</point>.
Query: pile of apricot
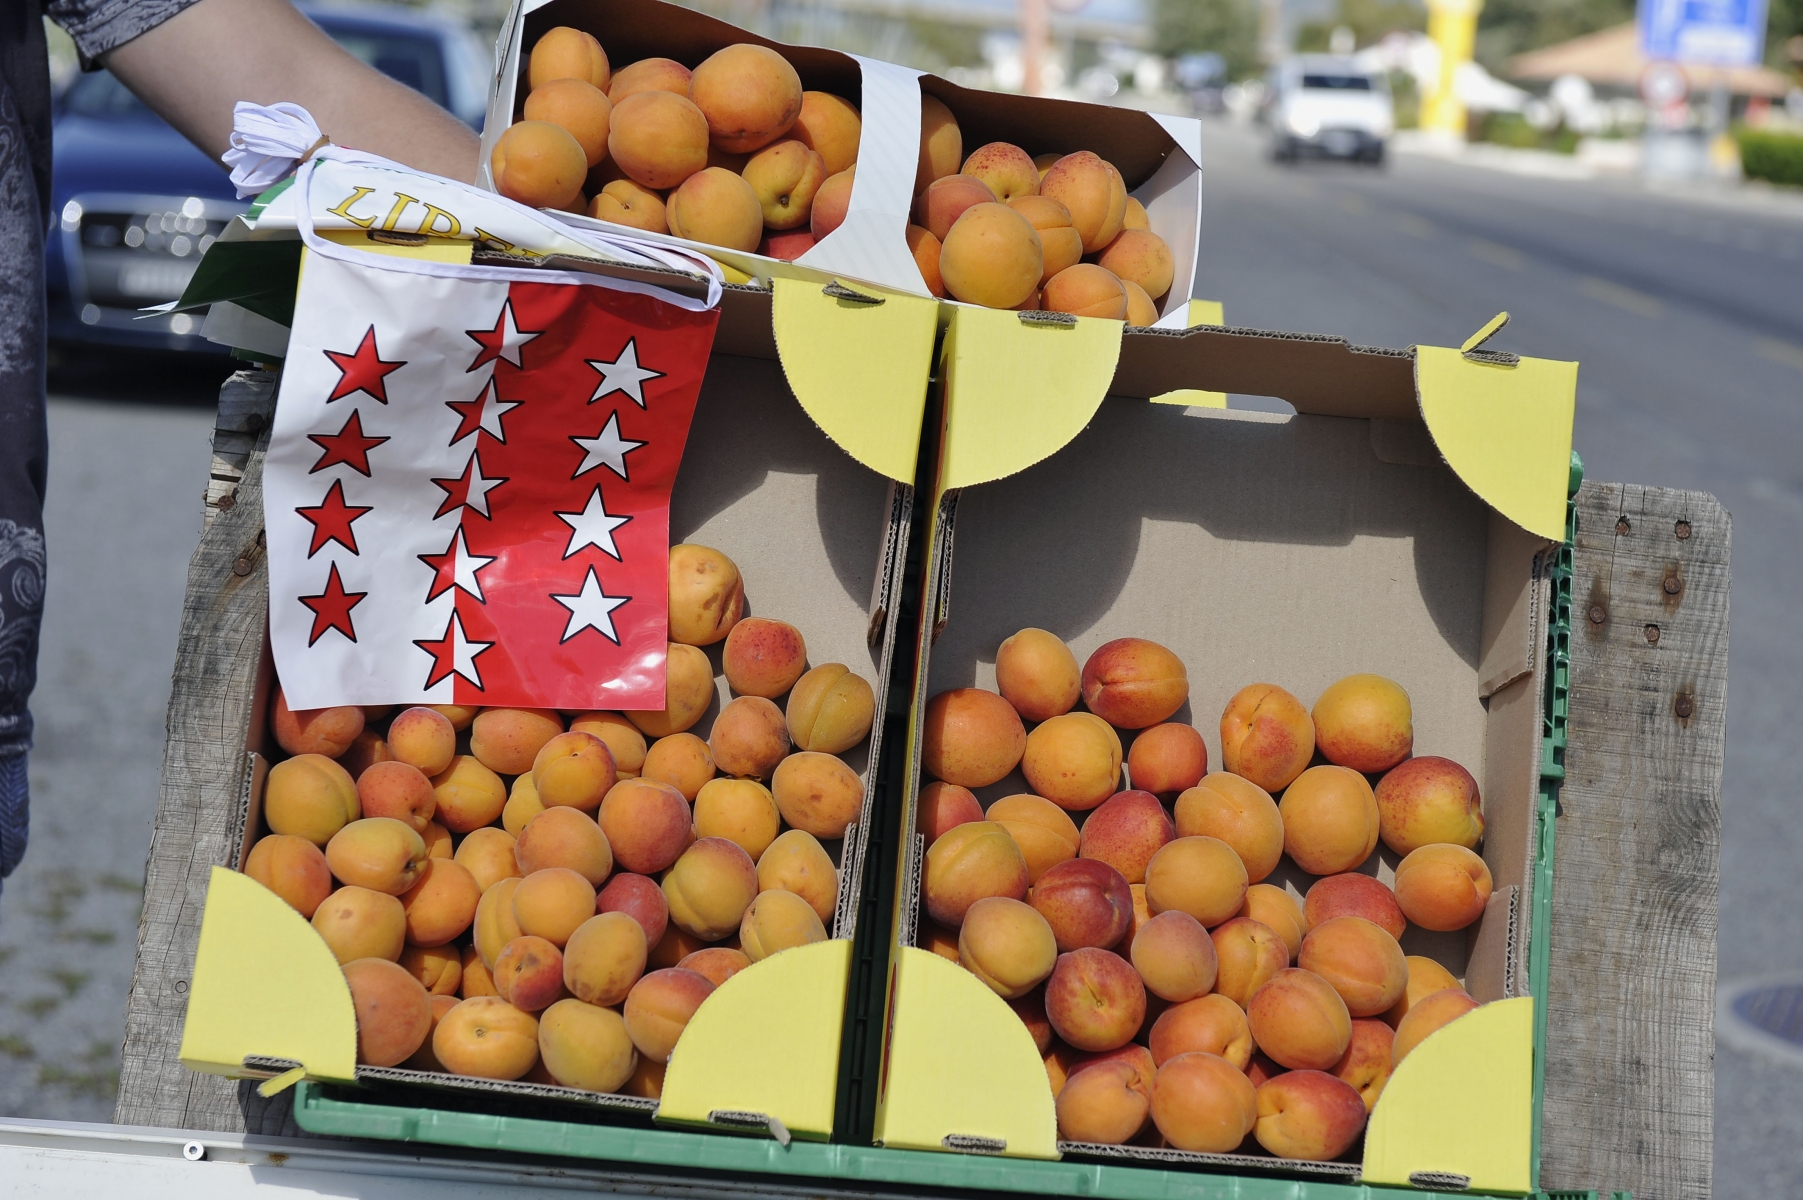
<point>533,894</point>
<point>1178,999</point>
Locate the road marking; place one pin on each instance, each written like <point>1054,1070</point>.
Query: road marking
<point>1781,352</point>
<point>1495,255</point>
<point>1621,297</point>
<point>1416,226</point>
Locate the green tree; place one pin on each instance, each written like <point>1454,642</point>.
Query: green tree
<point>1783,26</point>
<point>1369,21</point>
<point>1508,27</point>
<point>1227,27</point>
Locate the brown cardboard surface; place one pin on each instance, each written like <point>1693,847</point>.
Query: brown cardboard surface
<point>1318,373</point>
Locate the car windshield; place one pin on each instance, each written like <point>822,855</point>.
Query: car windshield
<point>1337,83</point>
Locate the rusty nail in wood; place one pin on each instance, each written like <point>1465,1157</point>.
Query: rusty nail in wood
<point>1683,706</point>
<point>241,567</point>
<point>1598,614</point>
<point>1682,530</point>
<point>227,500</point>
<point>1623,527</point>
<point>1673,585</point>
<point>1652,635</point>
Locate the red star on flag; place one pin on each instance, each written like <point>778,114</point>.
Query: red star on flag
<point>348,446</point>
<point>467,490</point>
<point>484,412</point>
<point>503,342</point>
<point>332,519</point>
<point>453,654</point>
<point>332,608</point>
<point>363,370</point>
<point>456,568</point>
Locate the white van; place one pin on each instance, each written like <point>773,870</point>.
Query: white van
<point>1325,105</point>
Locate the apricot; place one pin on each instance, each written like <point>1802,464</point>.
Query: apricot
<point>639,898</point>
<point>1030,1008</point>
<point>1238,812</point>
<point>1202,1102</point>
<point>937,939</point>
<point>941,142</point>
<point>647,1080</point>
<point>1105,1104</point>
<point>717,207</point>
<point>487,1038</point>
<point>467,795</point>
<point>1094,999</point>
<point>394,1014</point>
<point>778,921</point>
<point>831,127</point>
<point>623,202</point>
<point>990,256</point>
<point>423,1059</point>
<point>1175,957</point>
<point>1362,963</point>
<point>1133,683</point>
<point>657,138</point>
<point>817,793</point>
<point>578,108</point>
<point>1329,820</point>
<point>1428,800</point>
<point>1210,1024</point>
<point>1425,978</point>
<point>359,923</point>
<point>966,864</point>
<point>1037,673</point>
<point>528,973</point>
<point>1300,1020</point>
<point>1140,309</point>
<point>495,924</point>
<point>796,862</point>
<point>943,805</point>
<point>1126,831</point>
<point>971,737</point>
<point>1275,908</point>
<point>1094,193</point>
<point>681,760</point>
<point>573,770</point>
<point>1266,736</point>
<point>459,715</point>
<point>707,594</point>
<point>749,738</point>
<point>1366,1063</point>
<point>764,657</point>
<point>1441,887</point>
<point>538,164</point>
<point>438,841</point>
<point>1353,895</point>
<point>1167,759</point>
<point>324,731</point>
<point>709,888</point>
<point>564,837</point>
<point>1201,876</point>
<point>477,979</point>
<point>1085,902</point>
<point>688,691</point>
<point>749,94</point>
<point>1061,245</point>
<point>379,853</point>
<point>1309,1115</point>
<point>1364,722</point>
<point>1141,913</point>
<point>583,1046</point>
<point>1261,1069</point>
<point>366,750</point>
<point>830,709</point>
<point>785,175</point>
<point>647,824</point>
<point>551,903</point>
<point>566,53</point>
<point>604,958</point>
<point>293,868</point>
<point>1005,168</point>
<point>938,208</point>
<point>1086,290</point>
<point>649,75</point>
<point>522,805</point>
<point>439,969</point>
<point>717,963</point>
<point>831,203</point>
<point>659,1007</point>
<point>441,905</point>
<point>1044,832</point>
<point>309,796</point>
<point>1073,760</point>
<point>1249,954</point>
<point>1428,1015</point>
<point>422,738</point>
<point>1141,257</point>
<point>926,250</point>
<point>739,810</point>
<point>395,789</point>
<point>676,945</point>
<point>1136,217</point>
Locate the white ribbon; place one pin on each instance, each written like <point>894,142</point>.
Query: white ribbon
<point>268,142</point>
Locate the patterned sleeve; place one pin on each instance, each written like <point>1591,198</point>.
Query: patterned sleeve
<point>101,25</point>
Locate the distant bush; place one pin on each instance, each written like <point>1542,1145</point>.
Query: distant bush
<point>1776,157</point>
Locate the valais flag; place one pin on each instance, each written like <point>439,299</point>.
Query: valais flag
<point>467,492</point>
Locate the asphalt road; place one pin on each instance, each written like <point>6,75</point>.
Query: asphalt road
<point>1684,312</point>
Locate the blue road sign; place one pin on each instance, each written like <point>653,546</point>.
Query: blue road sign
<point>1723,33</point>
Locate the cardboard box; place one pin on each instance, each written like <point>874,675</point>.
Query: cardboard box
<point>1400,523</point>
<point>1159,156</point>
<point>820,538</point>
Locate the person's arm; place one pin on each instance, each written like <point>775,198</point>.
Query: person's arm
<point>193,67</point>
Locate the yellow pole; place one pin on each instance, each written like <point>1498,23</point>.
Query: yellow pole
<point>1452,24</point>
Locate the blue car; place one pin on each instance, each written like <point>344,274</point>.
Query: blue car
<point>137,204</point>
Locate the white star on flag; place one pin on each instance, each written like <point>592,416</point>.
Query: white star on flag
<point>489,409</point>
<point>459,649</point>
<point>593,527</point>
<point>511,337</point>
<point>473,484</point>
<point>623,375</point>
<point>465,569</point>
<point>591,608</point>
<point>607,448</point>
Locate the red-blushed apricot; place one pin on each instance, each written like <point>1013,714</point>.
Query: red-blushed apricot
<point>796,862</point>
<point>1261,1069</point>
<point>477,979</point>
<point>659,1007</point>
<point>441,905</point>
<point>1429,800</point>
<point>1249,955</point>
<point>394,789</point>
<point>1086,902</point>
<point>394,1013</point>
<point>778,921</point>
<point>1008,945</point>
<point>1329,820</point>
<point>1364,722</point>
<point>943,805</point>
<point>293,868</point>
<point>488,855</point>
<point>1353,895</point>
<point>564,837</point>
<point>551,903</point>
<point>1044,832</point>
<point>1202,1102</point>
<point>324,731</point>
<point>707,594</point>
<point>966,864</point>
<point>311,797</point>
<point>676,945</point>
<point>659,139</point>
<point>1005,168</point>
<point>1425,978</point>
<point>423,738</point>
<point>506,740</point>
<point>1299,1020</point>
<point>647,824</point>
<point>1073,760</point>
<point>1271,906</point>
<point>624,741</point>
<point>538,164</point>
<point>639,898</point>
<point>359,923</point>
<point>717,963</point>
<point>831,127</point>
<point>716,206</point>
<point>573,770</point>
<point>681,760</point>
<point>991,256</point>
<point>1309,1115</point>
<point>1201,876</point>
<point>1366,1063</point>
<point>379,853</point>
<point>649,75</point>
<point>566,53</point>
<point>750,95</point>
<point>938,207</point>
<point>583,1046</point>
<point>578,108</point>
<point>926,249</point>
<point>1266,736</point>
<point>1240,813</point>
<point>1086,290</point>
<point>1140,257</point>
<point>467,795</point>
<point>817,793</point>
<point>831,203</point>
<point>423,1059</point>
<point>1362,962</point>
<point>1134,683</point>
<point>972,737</point>
<point>1030,1008</point>
<point>439,969</point>
<point>1430,1014</point>
<point>1210,1024</point>
<point>487,1038</point>
<point>688,691</point>
<point>1167,759</point>
<point>604,958</point>
<point>830,709</point>
<point>522,805</point>
<point>709,888</point>
<point>1104,1104</point>
<point>528,973</point>
<point>1441,887</point>
<point>749,738</point>
<point>495,924</point>
<point>1095,999</point>
<point>1175,957</point>
<point>1126,831</point>
<point>739,810</point>
<point>366,750</point>
<point>1037,673</point>
<point>1094,193</point>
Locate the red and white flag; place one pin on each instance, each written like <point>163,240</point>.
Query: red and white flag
<point>467,493</point>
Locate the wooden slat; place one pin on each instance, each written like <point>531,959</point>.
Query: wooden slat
<point>1630,1060</point>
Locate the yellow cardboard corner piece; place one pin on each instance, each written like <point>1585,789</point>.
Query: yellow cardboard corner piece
<point>433,249</point>
<point>1482,1063</point>
<point>1017,393</point>
<point>766,1042</point>
<point>1201,312</point>
<point>961,1064</point>
<point>859,369</point>
<point>1207,312</point>
<point>1503,429</point>
<point>265,984</point>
